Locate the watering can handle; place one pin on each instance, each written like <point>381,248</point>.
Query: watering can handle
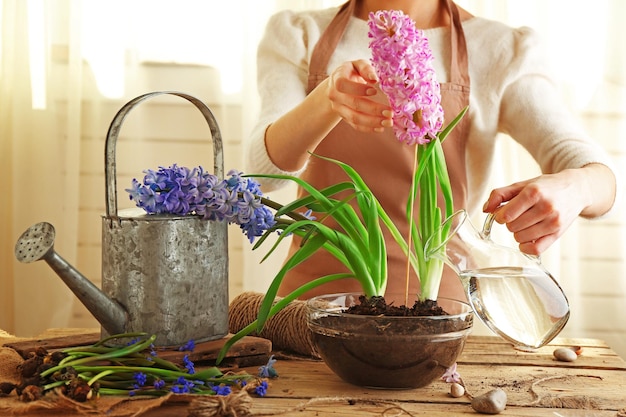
<point>114,129</point>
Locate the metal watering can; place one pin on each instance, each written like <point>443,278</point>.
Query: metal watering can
<point>161,274</point>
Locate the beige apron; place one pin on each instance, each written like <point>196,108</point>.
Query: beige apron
<point>385,164</point>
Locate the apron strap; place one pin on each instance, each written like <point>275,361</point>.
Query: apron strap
<point>334,32</point>
<point>459,73</point>
<point>327,43</point>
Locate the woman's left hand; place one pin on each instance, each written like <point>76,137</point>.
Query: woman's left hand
<point>539,210</point>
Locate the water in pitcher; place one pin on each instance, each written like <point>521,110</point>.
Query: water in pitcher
<point>523,305</point>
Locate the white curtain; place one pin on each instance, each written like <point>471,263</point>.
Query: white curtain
<point>66,65</point>
<point>40,148</point>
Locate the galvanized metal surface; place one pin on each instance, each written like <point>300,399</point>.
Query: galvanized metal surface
<point>170,273</point>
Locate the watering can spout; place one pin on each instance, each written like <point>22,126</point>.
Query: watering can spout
<point>37,243</point>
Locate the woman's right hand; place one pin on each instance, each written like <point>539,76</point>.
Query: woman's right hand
<point>353,92</point>
<point>350,93</point>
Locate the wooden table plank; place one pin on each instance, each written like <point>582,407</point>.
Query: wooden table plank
<point>562,341</point>
<point>343,407</point>
<point>526,386</point>
<point>485,350</point>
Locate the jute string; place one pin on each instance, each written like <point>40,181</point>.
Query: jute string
<point>234,405</point>
<point>576,402</point>
<point>9,362</point>
<point>287,329</point>
<point>239,406</point>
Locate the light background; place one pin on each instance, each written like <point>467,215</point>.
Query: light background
<point>66,67</point>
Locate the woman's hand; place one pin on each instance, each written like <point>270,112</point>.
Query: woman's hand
<point>349,93</point>
<point>539,210</point>
<point>354,96</point>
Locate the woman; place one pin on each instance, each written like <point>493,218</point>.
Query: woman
<point>319,94</point>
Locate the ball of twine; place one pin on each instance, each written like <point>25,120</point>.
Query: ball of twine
<point>287,329</point>
<point>234,405</point>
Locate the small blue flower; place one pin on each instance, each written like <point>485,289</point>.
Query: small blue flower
<point>261,389</point>
<point>190,346</point>
<point>159,384</point>
<point>140,379</point>
<point>155,180</point>
<point>182,385</point>
<point>308,215</point>
<point>247,206</point>
<point>153,353</point>
<point>254,187</point>
<point>235,182</point>
<point>222,390</point>
<point>262,220</point>
<point>189,365</point>
<point>268,371</point>
<point>176,202</point>
<point>179,389</point>
<point>133,341</point>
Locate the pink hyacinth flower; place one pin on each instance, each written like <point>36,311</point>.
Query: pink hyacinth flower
<point>403,62</point>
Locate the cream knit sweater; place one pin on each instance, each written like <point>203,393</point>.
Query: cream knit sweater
<point>511,92</point>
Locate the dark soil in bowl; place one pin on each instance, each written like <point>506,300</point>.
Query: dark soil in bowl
<point>376,306</point>
<point>390,351</point>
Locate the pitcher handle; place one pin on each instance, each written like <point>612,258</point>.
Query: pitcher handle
<point>486,234</point>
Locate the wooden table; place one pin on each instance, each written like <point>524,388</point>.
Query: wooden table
<point>536,385</point>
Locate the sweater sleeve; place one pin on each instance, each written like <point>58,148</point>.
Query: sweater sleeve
<point>282,66</point>
<point>533,113</point>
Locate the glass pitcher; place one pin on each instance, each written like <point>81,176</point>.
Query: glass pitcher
<point>511,292</point>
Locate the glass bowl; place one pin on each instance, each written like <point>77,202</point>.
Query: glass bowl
<point>398,352</point>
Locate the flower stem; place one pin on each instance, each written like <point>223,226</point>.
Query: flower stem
<point>135,347</point>
<point>100,375</point>
<point>277,206</point>
<point>411,217</point>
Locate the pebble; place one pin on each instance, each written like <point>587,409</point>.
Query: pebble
<point>456,390</point>
<point>565,354</point>
<point>493,402</point>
